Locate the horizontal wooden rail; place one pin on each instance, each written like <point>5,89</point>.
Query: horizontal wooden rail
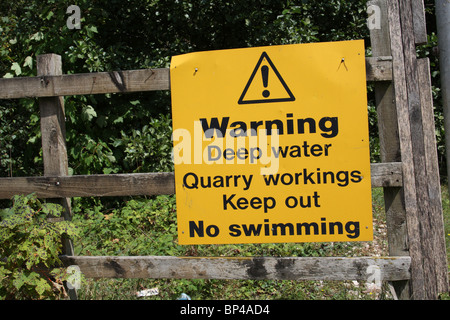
<point>377,69</point>
<point>277,268</point>
<point>108,185</point>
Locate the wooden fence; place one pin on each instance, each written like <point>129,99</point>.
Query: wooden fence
<point>417,262</point>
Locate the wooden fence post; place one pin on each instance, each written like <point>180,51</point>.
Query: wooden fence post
<point>421,189</point>
<point>53,130</point>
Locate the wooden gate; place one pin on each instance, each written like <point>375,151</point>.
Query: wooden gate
<point>417,261</point>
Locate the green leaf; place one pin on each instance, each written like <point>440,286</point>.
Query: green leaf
<point>88,160</point>
<point>88,113</point>
<point>4,273</point>
<point>15,220</point>
<point>28,62</point>
<point>42,286</point>
<point>6,213</point>
<point>102,121</point>
<point>19,282</point>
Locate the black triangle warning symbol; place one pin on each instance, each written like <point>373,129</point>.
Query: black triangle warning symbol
<point>259,88</point>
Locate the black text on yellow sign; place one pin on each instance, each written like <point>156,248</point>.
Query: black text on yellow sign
<point>271,144</point>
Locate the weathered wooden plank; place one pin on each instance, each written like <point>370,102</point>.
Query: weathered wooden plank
<point>420,26</point>
<point>52,122</point>
<point>279,268</point>
<point>409,188</point>
<point>107,185</point>
<point>387,174</point>
<point>53,132</point>
<point>421,170</point>
<point>85,83</point>
<point>378,69</point>
<point>383,175</point>
<point>384,93</point>
<point>434,188</point>
<point>418,171</point>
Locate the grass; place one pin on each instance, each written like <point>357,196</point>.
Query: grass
<point>148,227</point>
<point>446,207</point>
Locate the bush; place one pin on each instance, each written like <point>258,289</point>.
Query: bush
<point>30,244</point>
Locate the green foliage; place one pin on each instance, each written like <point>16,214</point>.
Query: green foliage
<point>30,245</point>
<point>110,133</point>
<point>148,149</point>
<point>314,21</point>
<point>430,51</point>
<point>148,227</point>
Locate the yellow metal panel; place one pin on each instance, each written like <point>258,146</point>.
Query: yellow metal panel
<point>242,181</point>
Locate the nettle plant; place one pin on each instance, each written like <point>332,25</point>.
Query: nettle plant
<point>30,245</point>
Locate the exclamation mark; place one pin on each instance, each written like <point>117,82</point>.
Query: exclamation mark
<point>265,78</point>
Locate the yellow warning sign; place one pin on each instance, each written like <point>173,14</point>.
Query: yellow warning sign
<point>280,90</point>
<point>271,144</point>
